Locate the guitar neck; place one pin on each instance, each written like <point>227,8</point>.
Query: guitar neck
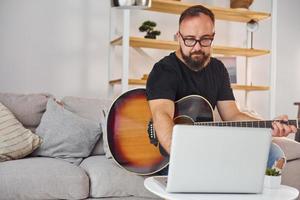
<point>250,124</point>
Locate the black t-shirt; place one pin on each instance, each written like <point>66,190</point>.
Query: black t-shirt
<point>171,79</point>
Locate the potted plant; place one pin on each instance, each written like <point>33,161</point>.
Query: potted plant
<point>148,27</point>
<point>272,178</point>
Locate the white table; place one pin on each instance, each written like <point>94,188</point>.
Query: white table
<point>282,193</point>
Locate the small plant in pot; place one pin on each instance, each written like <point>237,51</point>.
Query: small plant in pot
<point>272,178</point>
<point>148,27</point>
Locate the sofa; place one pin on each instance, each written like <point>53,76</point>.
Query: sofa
<point>38,176</point>
<point>67,170</point>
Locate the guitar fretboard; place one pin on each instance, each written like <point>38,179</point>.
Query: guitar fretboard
<point>250,124</point>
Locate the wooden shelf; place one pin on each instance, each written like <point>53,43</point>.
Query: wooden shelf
<point>249,87</point>
<point>234,86</point>
<point>228,14</point>
<point>131,7</point>
<point>130,81</point>
<point>173,45</point>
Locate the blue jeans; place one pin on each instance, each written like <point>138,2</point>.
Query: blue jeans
<point>275,154</point>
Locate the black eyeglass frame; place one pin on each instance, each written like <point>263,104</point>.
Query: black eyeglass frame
<point>205,37</point>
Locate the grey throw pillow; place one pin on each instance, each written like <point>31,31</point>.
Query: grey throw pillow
<point>65,134</point>
<point>27,108</point>
<point>93,109</point>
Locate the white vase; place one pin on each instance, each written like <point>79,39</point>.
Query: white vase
<point>125,2</point>
<point>143,3</point>
<point>272,182</point>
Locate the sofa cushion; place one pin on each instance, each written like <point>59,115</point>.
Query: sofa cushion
<point>107,179</point>
<point>127,198</point>
<point>99,148</point>
<point>291,174</point>
<point>28,108</point>
<point>15,141</point>
<point>42,178</point>
<point>65,134</point>
<point>93,109</point>
<point>291,148</point>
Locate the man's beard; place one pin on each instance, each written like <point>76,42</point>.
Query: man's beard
<point>198,63</point>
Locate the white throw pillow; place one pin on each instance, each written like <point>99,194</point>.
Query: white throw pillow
<point>15,141</point>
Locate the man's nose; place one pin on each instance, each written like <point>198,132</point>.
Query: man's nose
<point>197,46</point>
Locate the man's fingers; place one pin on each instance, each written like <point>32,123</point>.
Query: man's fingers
<point>282,117</point>
<point>280,129</point>
<point>275,129</point>
<point>286,130</point>
<point>285,118</point>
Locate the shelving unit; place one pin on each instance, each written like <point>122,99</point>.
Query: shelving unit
<point>228,14</point>
<point>176,7</point>
<point>173,45</point>
<point>234,86</point>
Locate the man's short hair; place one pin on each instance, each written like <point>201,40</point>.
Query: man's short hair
<point>197,10</point>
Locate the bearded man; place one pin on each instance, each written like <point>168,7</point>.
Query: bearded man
<point>192,71</point>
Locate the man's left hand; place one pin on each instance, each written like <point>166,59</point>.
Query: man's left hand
<point>281,129</point>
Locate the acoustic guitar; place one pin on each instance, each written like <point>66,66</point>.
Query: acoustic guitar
<point>131,136</point>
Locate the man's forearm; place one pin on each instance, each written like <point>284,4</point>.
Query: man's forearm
<point>163,126</point>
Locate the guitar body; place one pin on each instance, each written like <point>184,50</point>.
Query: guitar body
<point>128,129</point>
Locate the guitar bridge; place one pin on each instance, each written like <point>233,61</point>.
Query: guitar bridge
<point>152,134</point>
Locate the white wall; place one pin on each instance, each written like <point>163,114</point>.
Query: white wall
<point>62,47</point>
<point>288,65</point>
<point>56,46</point>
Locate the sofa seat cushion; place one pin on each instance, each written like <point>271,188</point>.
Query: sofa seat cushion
<point>291,174</point>
<point>107,179</point>
<point>42,178</point>
<point>127,198</point>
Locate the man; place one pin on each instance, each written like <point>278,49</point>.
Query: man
<point>192,70</point>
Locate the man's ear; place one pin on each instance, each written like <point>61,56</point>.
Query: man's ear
<point>177,36</point>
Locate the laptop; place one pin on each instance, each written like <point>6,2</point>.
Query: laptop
<point>206,159</point>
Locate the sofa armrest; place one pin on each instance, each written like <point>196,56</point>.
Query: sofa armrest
<point>291,148</point>
<point>297,135</point>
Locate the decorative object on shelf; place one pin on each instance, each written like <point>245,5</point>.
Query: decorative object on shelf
<point>272,178</point>
<point>252,26</point>
<point>123,2</point>
<point>142,3</point>
<point>148,26</point>
<point>230,64</point>
<point>240,3</point>
<point>145,77</point>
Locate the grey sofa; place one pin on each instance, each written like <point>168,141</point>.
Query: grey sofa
<point>96,176</point>
<point>36,177</point>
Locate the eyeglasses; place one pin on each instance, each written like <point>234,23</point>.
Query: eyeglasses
<point>204,41</point>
